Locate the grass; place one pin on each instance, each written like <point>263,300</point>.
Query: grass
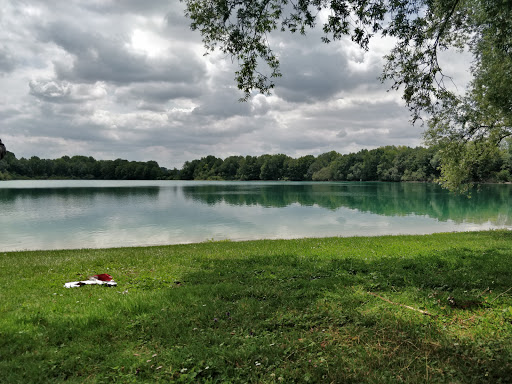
<point>309,310</point>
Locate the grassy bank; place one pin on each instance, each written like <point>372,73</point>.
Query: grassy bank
<point>336,310</point>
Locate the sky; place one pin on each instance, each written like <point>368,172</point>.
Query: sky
<point>129,79</point>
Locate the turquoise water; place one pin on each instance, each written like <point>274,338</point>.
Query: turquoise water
<point>96,213</point>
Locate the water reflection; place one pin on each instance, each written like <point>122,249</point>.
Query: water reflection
<point>83,214</point>
<point>490,203</point>
<point>89,193</point>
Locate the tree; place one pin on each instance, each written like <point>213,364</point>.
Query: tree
<point>250,168</point>
<point>322,161</point>
<point>273,167</point>
<point>207,168</point>
<point>188,169</point>
<point>464,126</point>
<point>3,150</point>
<point>229,168</point>
<point>297,169</point>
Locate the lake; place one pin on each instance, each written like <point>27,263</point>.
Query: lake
<point>96,213</point>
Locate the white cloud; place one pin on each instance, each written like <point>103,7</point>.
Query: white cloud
<point>128,79</point>
<point>63,91</point>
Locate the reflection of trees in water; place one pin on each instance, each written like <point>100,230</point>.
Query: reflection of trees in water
<point>266,195</point>
<point>10,195</point>
<point>491,203</point>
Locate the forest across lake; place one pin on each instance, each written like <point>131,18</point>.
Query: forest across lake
<point>388,163</point>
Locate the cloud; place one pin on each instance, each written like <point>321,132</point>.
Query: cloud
<point>128,79</point>
<point>155,95</point>
<point>64,92</point>
<point>116,8</point>
<point>320,73</point>
<point>7,61</point>
<point>95,57</point>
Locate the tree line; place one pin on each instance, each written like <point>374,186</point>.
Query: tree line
<point>389,163</point>
<point>79,167</point>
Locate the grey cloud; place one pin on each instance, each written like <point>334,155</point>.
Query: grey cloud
<point>311,143</point>
<point>361,111</point>
<point>8,114</point>
<point>178,25</point>
<point>220,99</point>
<point>127,6</point>
<point>158,92</point>
<point>213,136</point>
<point>342,133</point>
<point>204,135</point>
<point>319,75</point>
<point>105,58</point>
<point>375,138</point>
<point>109,7</point>
<point>222,104</point>
<point>153,107</point>
<point>306,79</point>
<point>356,124</point>
<point>64,92</point>
<point>52,123</point>
<point>260,106</point>
<point>7,61</point>
<point>176,18</point>
<point>313,70</point>
<point>49,90</point>
<point>91,93</point>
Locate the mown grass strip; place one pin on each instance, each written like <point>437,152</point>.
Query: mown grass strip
<point>263,312</point>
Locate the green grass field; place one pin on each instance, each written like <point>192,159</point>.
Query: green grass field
<point>334,310</point>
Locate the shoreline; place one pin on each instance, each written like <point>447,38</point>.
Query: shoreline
<point>237,241</point>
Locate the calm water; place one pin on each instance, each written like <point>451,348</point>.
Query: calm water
<point>91,214</point>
